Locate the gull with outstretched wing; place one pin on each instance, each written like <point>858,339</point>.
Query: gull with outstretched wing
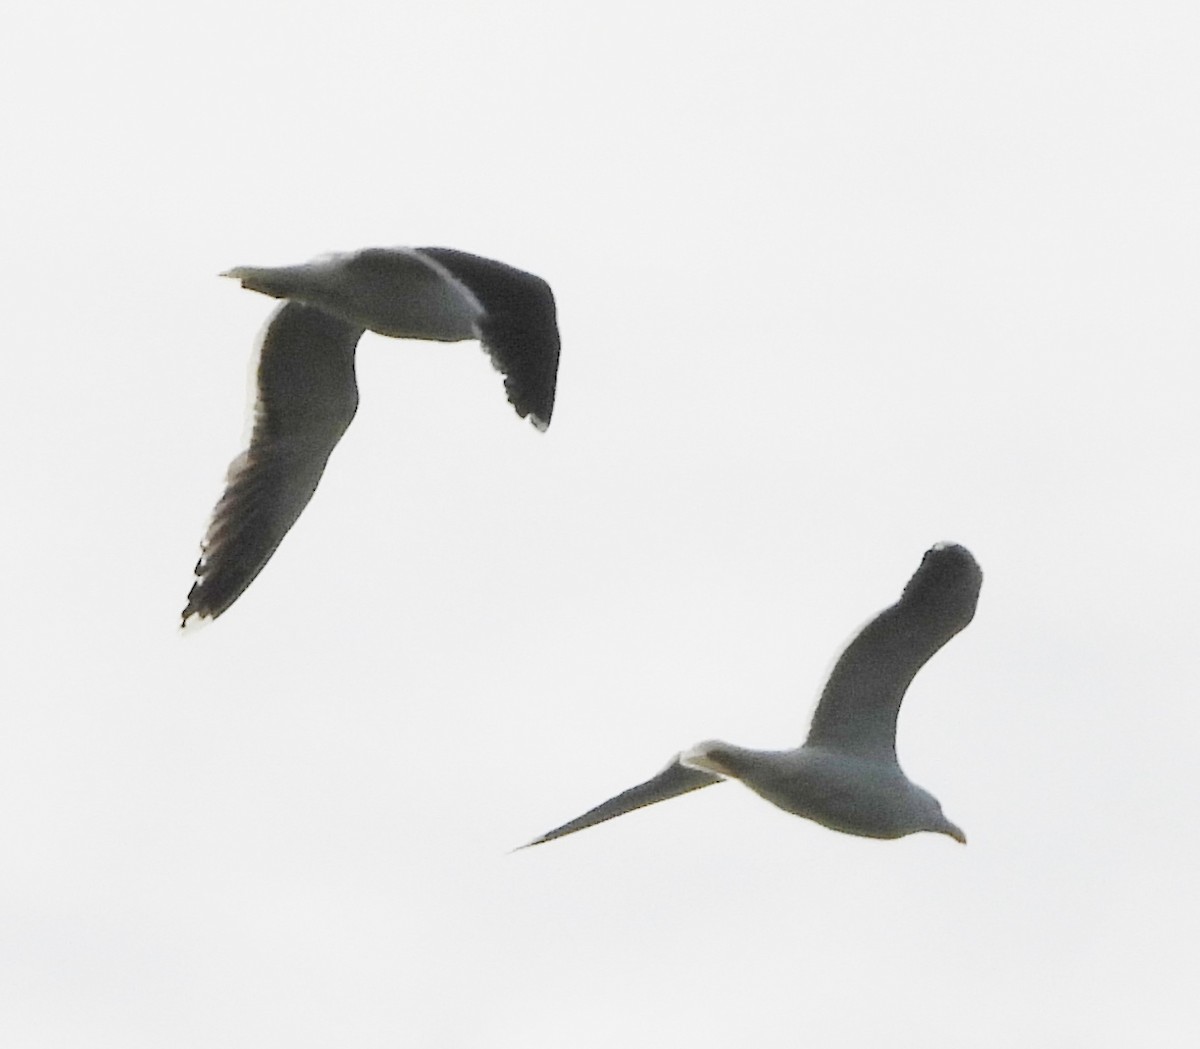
<point>845,776</point>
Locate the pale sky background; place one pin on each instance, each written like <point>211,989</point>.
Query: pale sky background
<point>835,281</point>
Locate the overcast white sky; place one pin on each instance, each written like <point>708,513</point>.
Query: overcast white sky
<point>835,282</point>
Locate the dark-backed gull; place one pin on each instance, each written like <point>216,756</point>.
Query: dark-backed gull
<point>306,389</point>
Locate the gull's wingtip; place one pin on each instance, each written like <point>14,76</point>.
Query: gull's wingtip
<point>200,610</point>
<point>947,546</point>
<point>193,615</point>
<point>192,620</point>
<point>951,551</point>
<point>947,568</point>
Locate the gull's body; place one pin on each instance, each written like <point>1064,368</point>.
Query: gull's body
<point>845,776</point>
<point>307,393</point>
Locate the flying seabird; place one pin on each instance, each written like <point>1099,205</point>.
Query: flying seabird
<point>306,389</point>
<point>845,776</point>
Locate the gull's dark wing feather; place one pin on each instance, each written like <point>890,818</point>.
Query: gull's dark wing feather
<point>519,328</point>
<point>306,397</point>
<point>861,701</point>
<point>674,780</point>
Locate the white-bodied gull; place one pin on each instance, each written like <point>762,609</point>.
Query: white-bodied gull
<point>846,775</point>
<point>306,390</point>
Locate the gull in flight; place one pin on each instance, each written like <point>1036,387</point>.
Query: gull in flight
<point>845,776</point>
<point>306,389</point>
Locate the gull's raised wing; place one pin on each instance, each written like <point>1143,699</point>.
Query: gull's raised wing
<point>858,708</point>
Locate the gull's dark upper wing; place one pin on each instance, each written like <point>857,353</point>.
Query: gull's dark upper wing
<point>307,396</point>
<point>862,698</point>
<point>674,780</point>
<point>518,329</point>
